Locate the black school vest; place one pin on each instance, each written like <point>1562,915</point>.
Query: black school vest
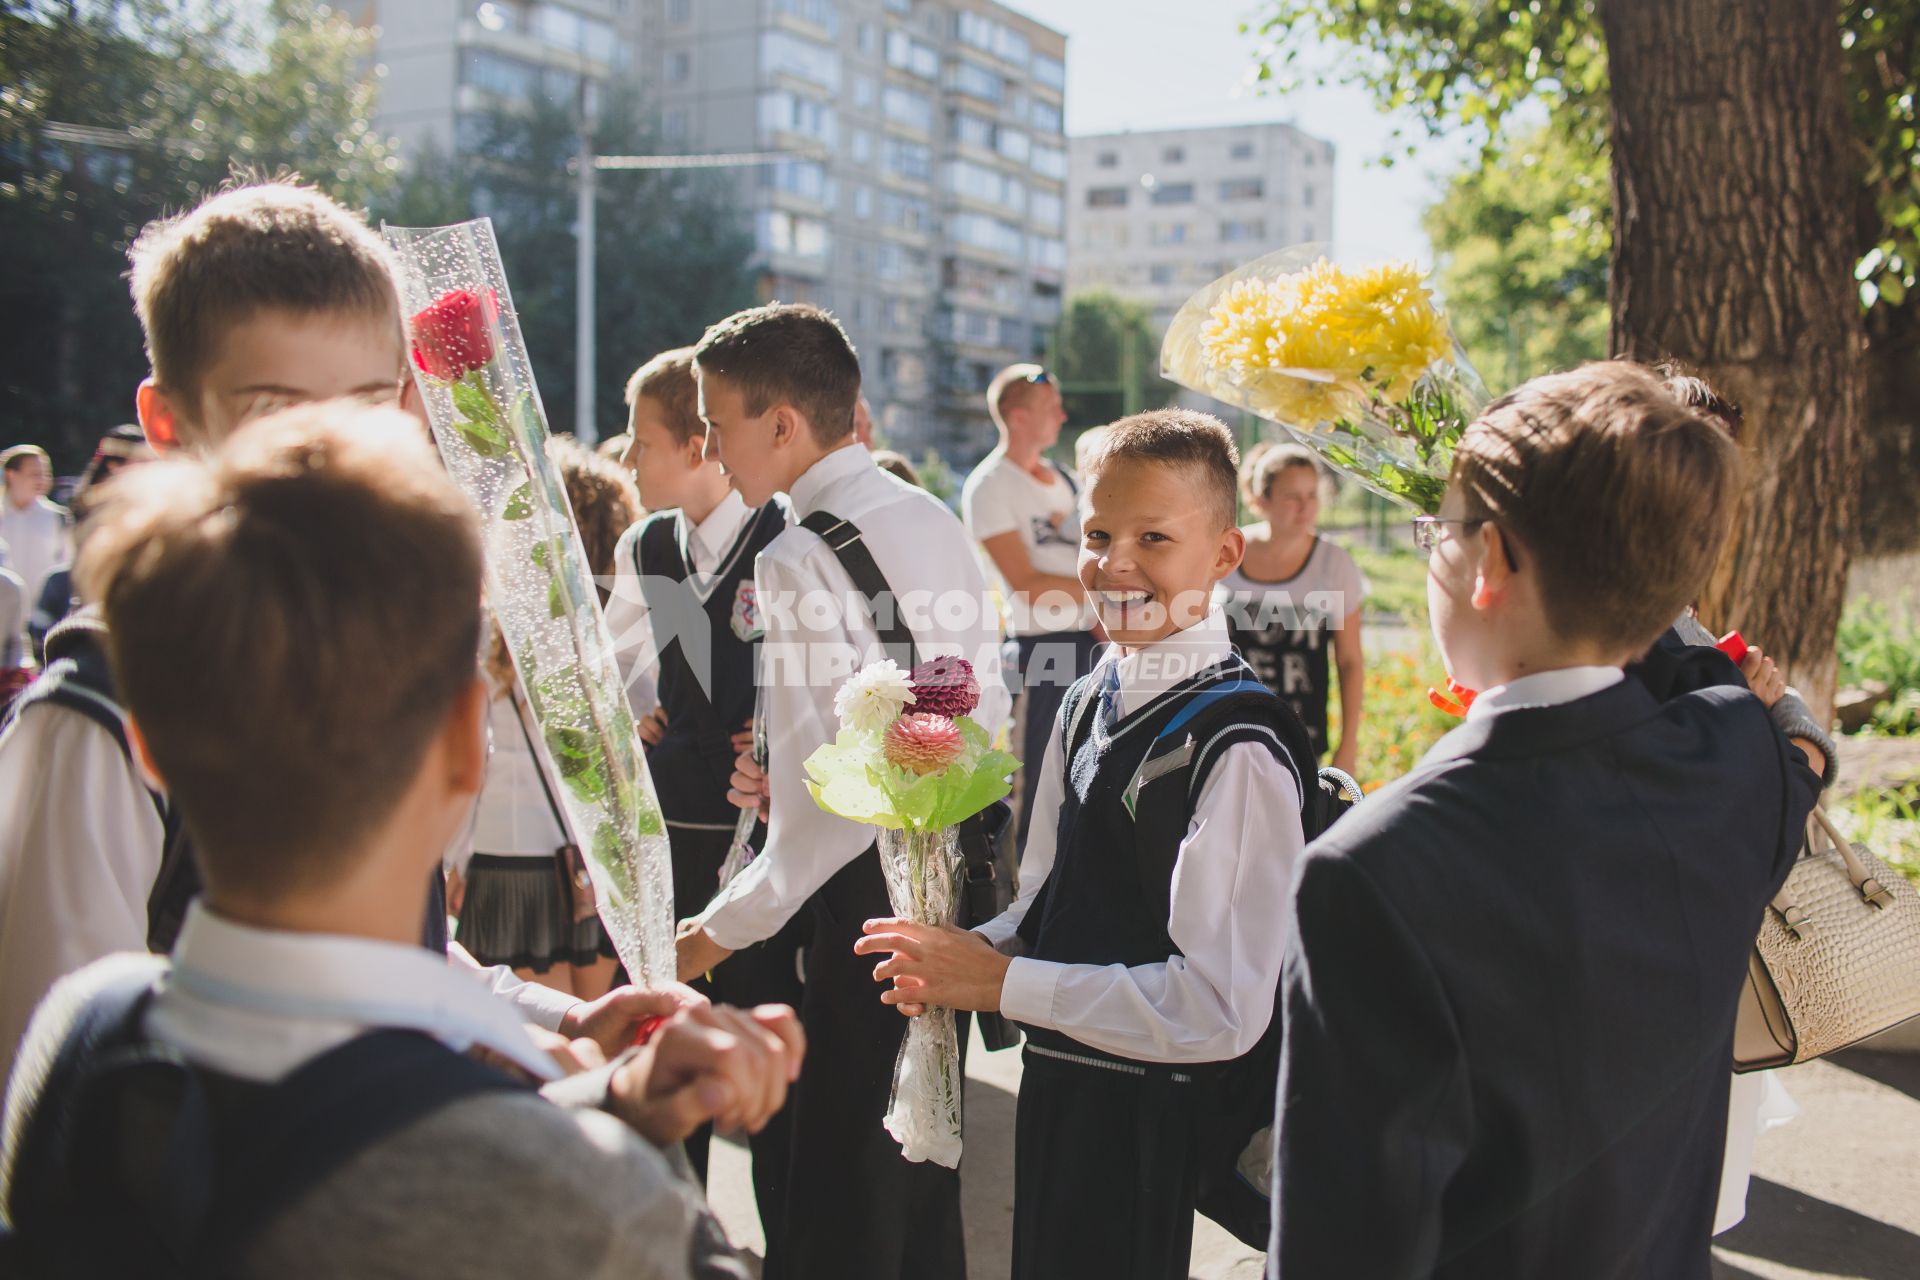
<point>692,762</point>
<point>1101,904</point>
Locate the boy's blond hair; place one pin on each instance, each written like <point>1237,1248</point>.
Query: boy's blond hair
<point>273,246</point>
<point>291,619</point>
<point>1266,460</point>
<point>667,380</point>
<point>1198,442</point>
<point>1621,495</point>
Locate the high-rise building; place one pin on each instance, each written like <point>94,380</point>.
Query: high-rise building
<point>1153,216</point>
<point>445,62</point>
<point>923,197</point>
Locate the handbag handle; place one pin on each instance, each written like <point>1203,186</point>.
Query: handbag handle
<point>1872,892</point>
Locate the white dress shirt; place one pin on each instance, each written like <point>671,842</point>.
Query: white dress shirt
<point>80,845</point>
<point>257,1003</point>
<point>515,816</point>
<point>38,538</point>
<point>808,652</point>
<point>1545,689</point>
<point>706,548</point>
<point>1228,902</point>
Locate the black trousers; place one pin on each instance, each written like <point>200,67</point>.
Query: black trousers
<point>766,973</point>
<point>856,1210</point>
<point>1045,664</point>
<point>1105,1169</point>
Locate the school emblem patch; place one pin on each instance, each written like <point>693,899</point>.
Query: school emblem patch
<point>745,618</point>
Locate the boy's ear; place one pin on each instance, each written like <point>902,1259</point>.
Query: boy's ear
<point>143,758</point>
<point>1233,548</point>
<point>465,738</point>
<point>1493,579</point>
<point>788,425</point>
<point>157,416</point>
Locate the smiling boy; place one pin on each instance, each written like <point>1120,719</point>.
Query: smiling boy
<point>1142,954</point>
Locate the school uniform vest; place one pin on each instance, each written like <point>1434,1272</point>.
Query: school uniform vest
<point>1105,899</point>
<point>693,761</point>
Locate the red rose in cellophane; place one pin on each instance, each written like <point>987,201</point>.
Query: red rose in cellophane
<point>453,335</point>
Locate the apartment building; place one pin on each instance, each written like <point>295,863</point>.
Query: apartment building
<point>923,196</point>
<point>445,62</point>
<point>1155,215</point>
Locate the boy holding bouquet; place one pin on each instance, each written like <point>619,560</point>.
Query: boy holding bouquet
<point>778,386</point>
<point>1142,954</point>
<point>1510,995</point>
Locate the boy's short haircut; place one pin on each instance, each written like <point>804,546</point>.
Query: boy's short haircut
<point>1623,496</point>
<point>1009,388</point>
<point>274,246</point>
<point>787,353</point>
<point>290,620</point>
<point>16,457</point>
<point>667,380</point>
<point>1265,461</point>
<point>1198,442</point>
<point>1698,394</point>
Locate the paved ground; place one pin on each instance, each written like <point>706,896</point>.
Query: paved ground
<point>1836,1192</point>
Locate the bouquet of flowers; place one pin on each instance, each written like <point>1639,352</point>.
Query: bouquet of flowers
<point>910,760</point>
<point>1359,365</point>
<point>485,411</point>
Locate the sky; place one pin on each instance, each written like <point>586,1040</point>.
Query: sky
<point>1153,64</point>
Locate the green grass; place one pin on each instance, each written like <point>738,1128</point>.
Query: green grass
<point>1398,576</point>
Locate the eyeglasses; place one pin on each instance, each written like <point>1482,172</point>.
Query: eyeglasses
<point>1426,535</point>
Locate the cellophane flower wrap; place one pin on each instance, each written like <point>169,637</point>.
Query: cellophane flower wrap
<point>1358,364</point>
<point>478,388</point>
<point>910,760</point>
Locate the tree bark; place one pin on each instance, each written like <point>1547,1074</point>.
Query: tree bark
<point>1732,252</point>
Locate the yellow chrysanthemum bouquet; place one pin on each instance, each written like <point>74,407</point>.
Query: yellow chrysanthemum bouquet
<point>1359,364</point>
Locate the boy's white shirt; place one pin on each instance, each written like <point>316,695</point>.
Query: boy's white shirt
<point>1228,899</point>
<point>258,1003</point>
<point>921,547</point>
<point>80,847</point>
<point>705,546</point>
<point>1545,689</point>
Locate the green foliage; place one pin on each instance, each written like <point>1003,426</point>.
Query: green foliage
<point>172,96</point>
<point>1107,356</point>
<point>1456,65</point>
<point>1524,242</point>
<point>851,777</point>
<point>1878,645</point>
<point>671,249</point>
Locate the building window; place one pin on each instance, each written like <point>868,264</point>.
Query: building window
<point>987,233</point>
<point>804,178</point>
<point>972,130</point>
<point>1243,189</point>
<point>897,262</point>
<point>869,38</point>
<point>908,213</point>
<point>1173,155</point>
<point>1160,273</point>
<point>1045,117</point>
<point>908,159</point>
<point>1013,144</point>
<point>1050,162</point>
<point>679,67</point>
<point>1167,233</point>
<point>1048,211</point>
<point>909,54</point>
<point>790,233</point>
<point>1050,253</point>
<point>1306,196</point>
<point>783,53</point>
<point>864,93</point>
<point>679,12</point>
<point>1234,232</point>
<point>860,146</point>
<point>821,13</point>
<point>1241,151</point>
<point>1307,158</point>
<point>1306,231</point>
<point>1107,160</point>
<point>1049,71</point>
<point>966,178</point>
<point>1173,193</point>
<point>973,79</point>
<point>789,113</point>
<point>497,73</point>
<point>675,124</point>
<point>904,106</point>
<point>863,202</point>
<point>1106,197</point>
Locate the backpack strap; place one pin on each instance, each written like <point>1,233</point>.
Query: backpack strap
<point>844,539</point>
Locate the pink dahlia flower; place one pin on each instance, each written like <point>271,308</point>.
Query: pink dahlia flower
<point>945,687</point>
<point>923,743</point>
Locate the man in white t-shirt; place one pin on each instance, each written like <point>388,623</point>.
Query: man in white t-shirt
<point>1024,511</point>
<point>34,530</point>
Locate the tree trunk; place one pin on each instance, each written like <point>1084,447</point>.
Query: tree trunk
<point>1732,252</point>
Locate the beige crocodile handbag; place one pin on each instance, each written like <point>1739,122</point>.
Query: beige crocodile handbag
<point>1837,959</point>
